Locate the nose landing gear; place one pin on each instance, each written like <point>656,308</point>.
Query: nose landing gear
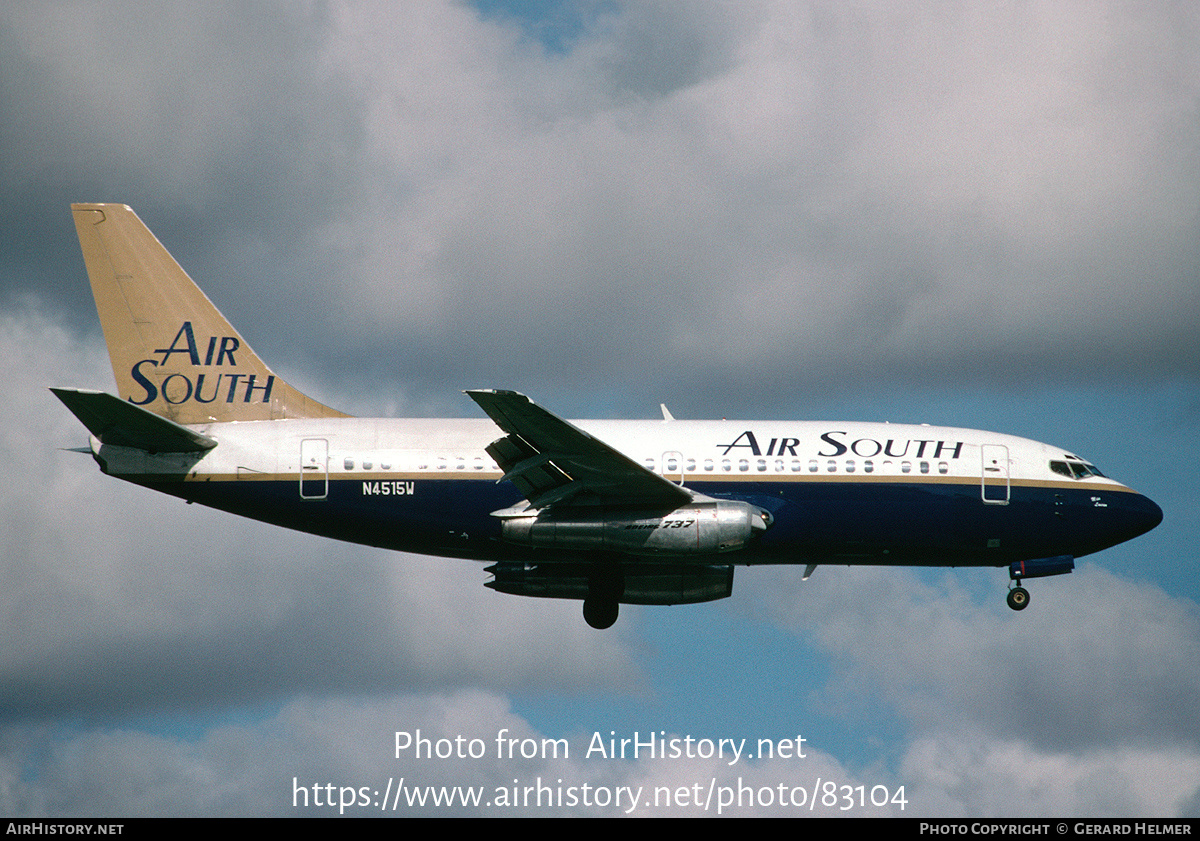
<point>1018,596</point>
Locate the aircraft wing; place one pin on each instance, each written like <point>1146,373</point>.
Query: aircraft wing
<point>551,460</point>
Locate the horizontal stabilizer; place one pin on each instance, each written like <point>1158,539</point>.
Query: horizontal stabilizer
<point>122,424</point>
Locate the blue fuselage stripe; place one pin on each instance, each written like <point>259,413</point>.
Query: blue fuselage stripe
<point>920,523</point>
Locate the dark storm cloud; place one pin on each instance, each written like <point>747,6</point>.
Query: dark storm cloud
<point>206,118</point>
<point>856,196</point>
<point>820,195</point>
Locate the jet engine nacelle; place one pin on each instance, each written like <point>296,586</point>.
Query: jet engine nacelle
<point>701,528</point>
<point>656,582</point>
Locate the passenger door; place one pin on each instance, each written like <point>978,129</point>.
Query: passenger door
<point>314,468</point>
<point>995,475</point>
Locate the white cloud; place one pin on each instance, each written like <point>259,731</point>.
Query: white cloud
<point>1124,671</point>
<point>1081,704</point>
<point>964,775</point>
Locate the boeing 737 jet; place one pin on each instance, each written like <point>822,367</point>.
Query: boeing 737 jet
<point>609,512</point>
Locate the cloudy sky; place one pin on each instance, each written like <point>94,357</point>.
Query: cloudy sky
<point>982,215</point>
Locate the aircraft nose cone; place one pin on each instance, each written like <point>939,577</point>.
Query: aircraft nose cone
<point>1154,514</point>
<point>1142,514</point>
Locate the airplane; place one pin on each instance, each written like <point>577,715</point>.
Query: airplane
<point>610,512</point>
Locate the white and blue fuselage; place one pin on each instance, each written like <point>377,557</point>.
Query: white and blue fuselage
<point>836,492</point>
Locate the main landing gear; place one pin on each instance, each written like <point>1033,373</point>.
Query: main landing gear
<point>606,585</point>
<point>600,613</point>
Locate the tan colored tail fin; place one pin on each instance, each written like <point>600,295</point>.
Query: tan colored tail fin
<point>172,352</point>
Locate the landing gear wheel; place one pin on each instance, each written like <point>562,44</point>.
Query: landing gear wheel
<point>600,613</point>
<point>1018,598</point>
<point>606,585</point>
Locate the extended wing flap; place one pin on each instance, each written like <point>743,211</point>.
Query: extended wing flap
<point>122,424</point>
<point>552,460</point>
<point>532,472</point>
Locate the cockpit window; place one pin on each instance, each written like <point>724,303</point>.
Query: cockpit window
<point>1075,468</point>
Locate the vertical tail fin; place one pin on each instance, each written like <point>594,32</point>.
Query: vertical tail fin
<point>172,352</point>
